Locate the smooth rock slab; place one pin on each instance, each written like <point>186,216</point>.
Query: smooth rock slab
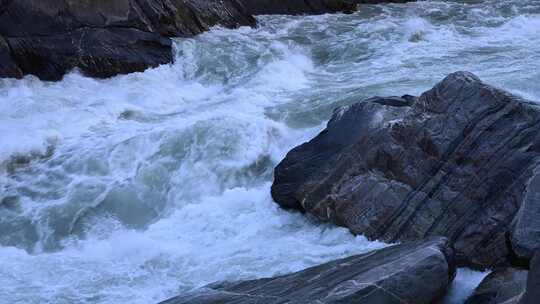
<point>457,162</point>
<point>415,272</point>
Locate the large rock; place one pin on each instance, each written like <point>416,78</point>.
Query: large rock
<point>457,161</point>
<point>502,286</point>
<point>417,272</point>
<point>102,37</point>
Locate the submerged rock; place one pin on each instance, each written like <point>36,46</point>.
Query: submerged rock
<point>458,162</point>
<point>502,286</point>
<point>102,38</point>
<point>416,272</point>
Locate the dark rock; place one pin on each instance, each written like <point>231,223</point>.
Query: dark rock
<point>457,163</point>
<point>297,7</point>
<point>532,293</point>
<point>416,272</point>
<point>502,286</point>
<point>96,52</point>
<point>103,38</point>
<point>525,234</point>
<point>8,67</point>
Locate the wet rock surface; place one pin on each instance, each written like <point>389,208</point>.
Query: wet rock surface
<point>415,272</point>
<point>458,161</point>
<point>102,38</point>
<point>505,285</point>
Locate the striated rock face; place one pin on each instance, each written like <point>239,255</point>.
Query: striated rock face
<point>102,37</point>
<point>416,272</point>
<point>457,161</point>
<point>502,286</point>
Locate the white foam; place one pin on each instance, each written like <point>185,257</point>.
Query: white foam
<point>463,286</point>
<point>159,181</point>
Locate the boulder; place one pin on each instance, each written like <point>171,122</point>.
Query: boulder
<point>415,272</point>
<point>458,162</point>
<point>502,286</point>
<point>103,38</point>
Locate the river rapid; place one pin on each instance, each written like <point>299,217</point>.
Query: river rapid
<point>137,188</point>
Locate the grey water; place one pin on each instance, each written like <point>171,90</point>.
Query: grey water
<point>140,187</point>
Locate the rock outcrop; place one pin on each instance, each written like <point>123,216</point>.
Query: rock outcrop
<point>459,161</point>
<point>502,286</point>
<point>102,38</point>
<point>416,272</point>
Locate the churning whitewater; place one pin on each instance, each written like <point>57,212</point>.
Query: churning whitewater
<point>137,188</point>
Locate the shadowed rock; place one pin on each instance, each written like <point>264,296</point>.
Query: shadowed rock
<point>532,293</point>
<point>297,7</point>
<point>502,286</point>
<point>416,272</point>
<point>525,233</point>
<point>102,38</point>
<point>456,162</point>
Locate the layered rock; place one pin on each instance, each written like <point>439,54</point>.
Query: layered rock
<point>458,161</point>
<point>416,272</point>
<point>502,286</point>
<point>102,38</point>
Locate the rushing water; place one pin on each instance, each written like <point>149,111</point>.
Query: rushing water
<point>136,188</point>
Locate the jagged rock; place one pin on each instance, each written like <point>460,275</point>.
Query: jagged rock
<point>502,286</point>
<point>454,162</point>
<point>102,37</point>
<point>416,272</point>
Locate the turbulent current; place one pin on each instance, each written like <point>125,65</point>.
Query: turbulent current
<point>137,188</point>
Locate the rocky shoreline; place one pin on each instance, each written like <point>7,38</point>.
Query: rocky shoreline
<point>106,38</point>
<point>451,175</point>
<point>459,161</point>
